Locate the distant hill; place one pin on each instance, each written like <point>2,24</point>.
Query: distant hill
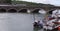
<point>24,2</point>
<point>31,3</point>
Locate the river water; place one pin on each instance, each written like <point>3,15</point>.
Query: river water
<point>16,22</point>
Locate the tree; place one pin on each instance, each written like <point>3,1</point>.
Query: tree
<point>8,1</point>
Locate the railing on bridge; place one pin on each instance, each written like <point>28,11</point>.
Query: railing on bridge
<point>13,5</point>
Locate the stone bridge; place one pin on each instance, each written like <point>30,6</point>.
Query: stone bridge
<point>18,8</point>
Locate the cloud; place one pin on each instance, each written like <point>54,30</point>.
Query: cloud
<point>55,2</point>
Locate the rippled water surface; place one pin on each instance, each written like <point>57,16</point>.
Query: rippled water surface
<point>16,22</point>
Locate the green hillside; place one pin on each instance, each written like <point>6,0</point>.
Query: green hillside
<point>8,1</point>
<point>31,3</point>
<point>24,2</point>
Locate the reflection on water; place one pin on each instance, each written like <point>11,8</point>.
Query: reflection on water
<point>16,22</point>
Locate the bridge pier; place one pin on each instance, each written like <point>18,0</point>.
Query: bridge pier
<point>28,11</point>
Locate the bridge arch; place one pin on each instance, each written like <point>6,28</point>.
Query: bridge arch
<point>36,10</point>
<point>3,10</point>
<point>23,10</point>
<point>12,10</point>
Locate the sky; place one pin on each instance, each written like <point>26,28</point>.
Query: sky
<point>53,2</point>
